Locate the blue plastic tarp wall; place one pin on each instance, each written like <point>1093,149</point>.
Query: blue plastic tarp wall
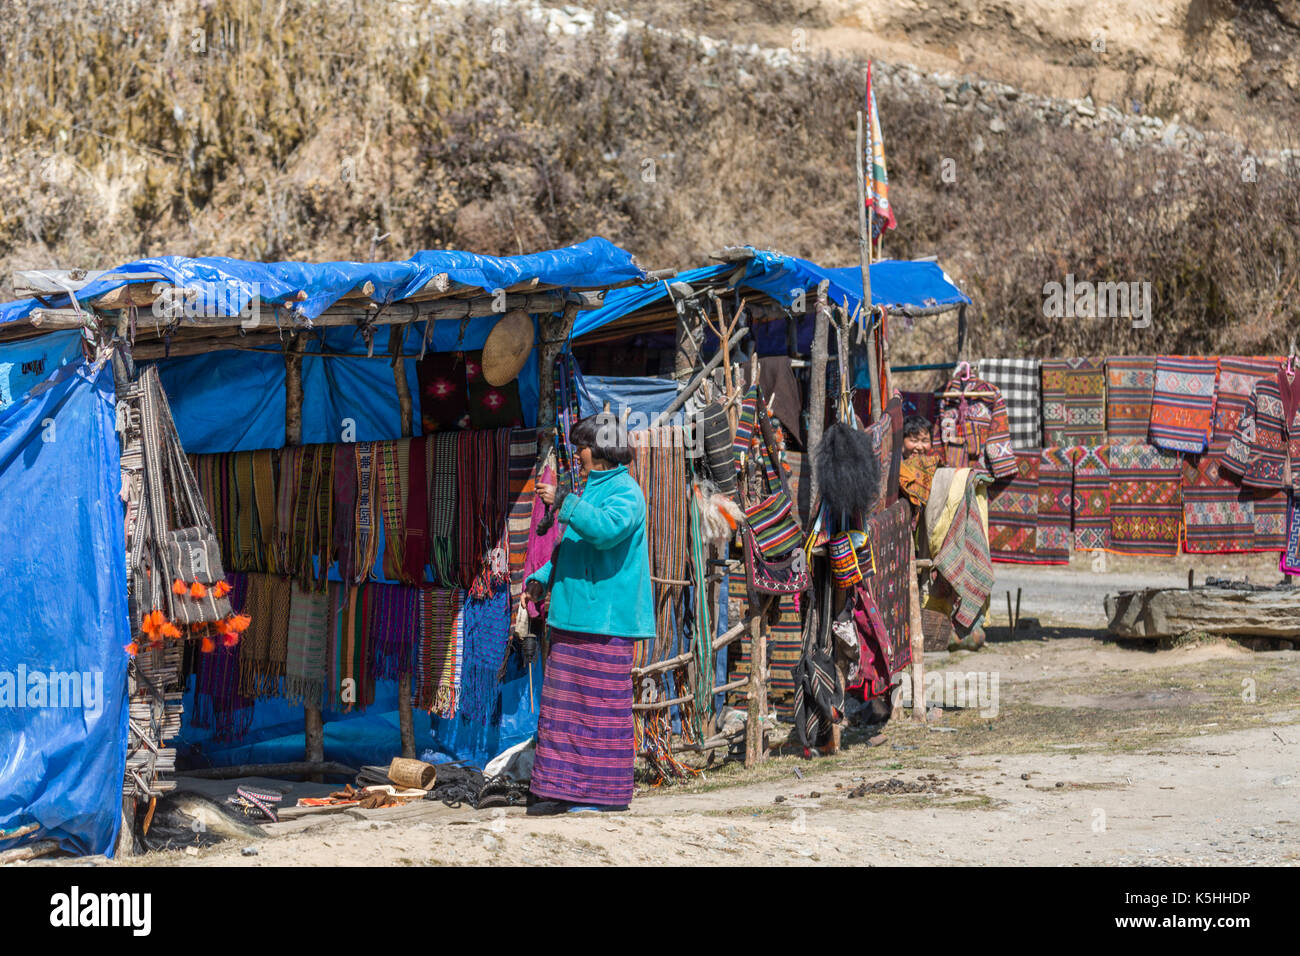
<point>64,606</point>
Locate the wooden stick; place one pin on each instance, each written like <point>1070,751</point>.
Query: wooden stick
<point>918,638</point>
<point>405,713</point>
<point>31,851</point>
<point>757,626</point>
<point>661,704</point>
<point>864,251</point>
<point>721,641</point>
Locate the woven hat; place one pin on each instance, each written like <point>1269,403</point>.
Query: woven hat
<point>507,347</point>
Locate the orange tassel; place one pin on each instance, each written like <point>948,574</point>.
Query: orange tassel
<point>229,639</point>
<point>157,618</point>
<point>133,648</point>
<point>171,630</point>
<point>147,625</point>
<point>221,589</point>
<point>197,590</point>
<point>239,623</point>
<point>178,586</point>
<point>207,646</point>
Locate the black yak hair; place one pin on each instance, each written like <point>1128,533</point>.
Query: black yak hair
<point>848,471</point>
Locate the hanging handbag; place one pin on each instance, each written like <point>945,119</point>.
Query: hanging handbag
<point>775,561</point>
<point>787,575</point>
<point>773,524</point>
<point>852,558</point>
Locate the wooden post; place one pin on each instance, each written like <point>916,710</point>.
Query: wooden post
<point>918,638</point>
<point>817,391</point>
<point>758,628</point>
<point>864,249</point>
<point>555,331</point>
<point>313,721</point>
<point>688,343</point>
<point>405,711</point>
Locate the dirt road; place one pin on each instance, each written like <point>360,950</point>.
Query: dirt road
<point>1086,753</point>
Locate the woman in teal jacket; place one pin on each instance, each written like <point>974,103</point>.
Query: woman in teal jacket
<point>601,603</point>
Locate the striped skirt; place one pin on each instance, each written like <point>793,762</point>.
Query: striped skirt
<point>585,745</point>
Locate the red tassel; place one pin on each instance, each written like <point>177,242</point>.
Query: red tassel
<point>207,646</point>
<point>229,639</point>
<point>197,590</point>
<point>133,648</point>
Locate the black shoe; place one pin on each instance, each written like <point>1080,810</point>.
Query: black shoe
<point>548,808</point>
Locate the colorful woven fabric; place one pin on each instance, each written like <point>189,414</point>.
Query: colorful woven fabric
<point>393,612</point>
<point>366,521</point>
<point>659,467</point>
<point>963,560</point>
<point>345,509</point>
<point>1074,401</point>
<point>1055,505</point>
<point>784,649</point>
<point>390,463</point>
<point>1238,376</point>
<point>972,429</point>
<point>439,651</point>
<point>308,640</point>
<point>1182,403</point>
<point>1013,513</point>
<point>1091,502</point>
<point>1219,516</point>
<point>444,397</point>
<point>1257,451</point>
<point>491,406</point>
<point>1017,380</point>
<point>487,638</point>
<point>1270,520</point>
<point>266,642</point>
<point>585,735</point>
<point>218,704</point>
<point>1130,380</point>
<point>522,496</point>
<point>915,475</point>
<point>890,534</point>
<point>443,509</point>
<point>1146,500</point>
<point>415,548</point>
<point>1290,562</point>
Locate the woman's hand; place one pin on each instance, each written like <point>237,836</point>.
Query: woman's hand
<point>546,493</point>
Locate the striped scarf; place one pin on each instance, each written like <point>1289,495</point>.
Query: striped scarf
<point>483,485</point>
<point>266,642</point>
<point>308,637</point>
<point>246,557</point>
<point>351,686</point>
<point>323,528</point>
<point>264,487</point>
<point>304,513</point>
<point>286,506</point>
<point>345,506</point>
<point>415,548</point>
<point>390,466</point>
<point>443,508</point>
<point>522,495</point>
<point>439,652</point>
<point>218,704</point>
<point>392,624</point>
<point>366,540</point>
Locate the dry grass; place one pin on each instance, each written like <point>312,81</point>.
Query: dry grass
<point>371,128</point>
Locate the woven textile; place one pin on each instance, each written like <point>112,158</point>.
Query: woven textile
<point>1013,513</point>
<point>1258,449</point>
<point>972,429</point>
<point>925,404</point>
<point>659,467</point>
<point>522,495</point>
<point>218,704</point>
<point>439,651</point>
<point>390,463</point>
<point>266,642</point>
<point>366,519</point>
<point>1270,520</point>
<point>1291,554</point>
<point>308,637</point>
<point>443,509</point>
<point>1055,505</point>
<point>585,735</point>
<point>1238,376</point>
<point>491,406</point>
<point>393,612</point>
<point>487,638</point>
<point>915,476</point>
<point>1146,500</point>
<point>351,684</point>
<point>1091,502</point>
<point>1182,403</point>
<point>963,560</point>
<point>1130,380</point>
<point>890,534</point>
<point>291,460</point>
<point>1218,515</point>
<point>415,548</point>
<point>1017,380</point>
<point>784,649</point>
<point>444,398</point>
<point>345,509</point>
<point>1074,401</point>
<point>891,455</point>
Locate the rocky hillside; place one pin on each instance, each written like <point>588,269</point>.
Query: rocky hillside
<point>1111,141</point>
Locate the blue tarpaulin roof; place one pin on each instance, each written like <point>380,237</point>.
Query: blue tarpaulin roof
<point>595,262</point>
<point>895,284</point>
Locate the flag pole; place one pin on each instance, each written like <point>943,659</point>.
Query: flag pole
<point>864,251</point>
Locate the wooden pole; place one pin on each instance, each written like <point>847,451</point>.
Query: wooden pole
<point>313,721</point>
<point>817,389</point>
<point>405,711</point>
<point>918,638</point>
<point>864,250</point>
<point>757,710</point>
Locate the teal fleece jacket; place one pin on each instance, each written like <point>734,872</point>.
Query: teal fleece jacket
<point>600,571</point>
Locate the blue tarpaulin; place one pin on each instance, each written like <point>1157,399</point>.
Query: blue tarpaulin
<point>314,287</point>
<point>63,706</point>
<point>895,284</point>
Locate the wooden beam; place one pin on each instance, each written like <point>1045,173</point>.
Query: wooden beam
<point>39,283</point>
<point>405,712</point>
<point>864,250</point>
<point>817,391</point>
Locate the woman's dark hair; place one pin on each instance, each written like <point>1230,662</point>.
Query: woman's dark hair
<point>915,425</point>
<point>605,435</point>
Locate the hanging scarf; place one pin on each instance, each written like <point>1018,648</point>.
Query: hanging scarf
<point>392,624</point>
<point>266,642</point>
<point>415,549</point>
<point>440,651</point>
<point>304,513</point>
<point>264,486</point>
<point>218,704</point>
<point>443,509</point>
<point>245,559</point>
<point>308,637</point>
<point>345,506</point>
<point>323,527</point>
<point>522,495</point>
<point>487,637</point>
<point>367,544</point>
<point>286,507</point>
<point>391,462</point>
<point>350,685</point>
<point>540,546</point>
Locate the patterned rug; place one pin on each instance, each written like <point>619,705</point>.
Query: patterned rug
<point>1013,513</point>
<point>1017,380</point>
<point>1182,403</point>
<point>1091,502</point>
<point>1218,515</point>
<point>1270,521</point>
<point>1130,380</point>
<point>890,533</point>
<point>1290,562</point>
<point>1237,377</point>
<point>1146,500</point>
<point>1055,503</point>
<point>784,647</point>
<point>1074,401</point>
